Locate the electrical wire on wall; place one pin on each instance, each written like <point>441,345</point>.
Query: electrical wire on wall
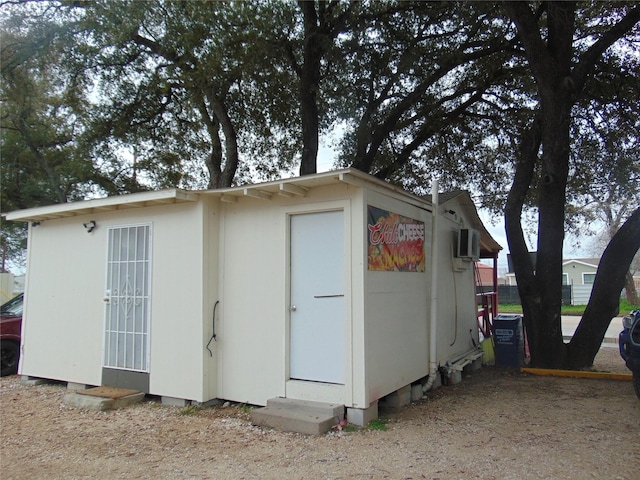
<point>213,321</point>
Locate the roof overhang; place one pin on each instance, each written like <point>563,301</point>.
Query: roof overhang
<point>289,187</point>
<point>489,248</point>
<point>88,207</point>
<point>300,186</point>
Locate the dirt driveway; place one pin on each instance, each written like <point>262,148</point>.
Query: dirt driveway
<point>496,424</point>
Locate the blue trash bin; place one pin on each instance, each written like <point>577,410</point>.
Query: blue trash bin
<point>508,340</point>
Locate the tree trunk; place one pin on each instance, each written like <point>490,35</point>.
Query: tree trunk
<point>310,88</point>
<point>525,273</point>
<point>541,290</point>
<point>604,303</point>
<point>230,143</point>
<point>630,289</point>
<point>213,161</point>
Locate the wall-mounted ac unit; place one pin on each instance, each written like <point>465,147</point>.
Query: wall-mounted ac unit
<point>469,243</point>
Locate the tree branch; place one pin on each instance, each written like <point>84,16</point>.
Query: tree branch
<point>588,59</point>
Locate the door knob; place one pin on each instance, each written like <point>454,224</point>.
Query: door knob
<point>293,308</point>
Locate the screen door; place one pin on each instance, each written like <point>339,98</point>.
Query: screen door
<point>127,298</point>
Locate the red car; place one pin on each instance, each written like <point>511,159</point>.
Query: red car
<point>10,327</point>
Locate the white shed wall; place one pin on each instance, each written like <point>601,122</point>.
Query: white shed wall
<point>177,336</point>
<point>238,254</point>
<point>396,306</point>
<point>62,328</point>
<point>254,330</point>
<point>457,327</point>
<point>67,267</point>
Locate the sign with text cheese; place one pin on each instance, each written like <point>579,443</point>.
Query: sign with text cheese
<point>395,243</point>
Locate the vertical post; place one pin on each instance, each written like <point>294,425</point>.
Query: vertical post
<point>433,358</point>
<point>434,281</point>
<point>495,283</point>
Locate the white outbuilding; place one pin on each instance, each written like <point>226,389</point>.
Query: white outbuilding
<point>334,287</point>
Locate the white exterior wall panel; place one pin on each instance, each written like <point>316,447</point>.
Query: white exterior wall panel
<point>396,312</point>
<point>176,330</point>
<point>211,295</point>
<point>254,334</point>
<point>67,343</point>
<point>457,311</point>
<point>251,334</point>
<point>62,328</point>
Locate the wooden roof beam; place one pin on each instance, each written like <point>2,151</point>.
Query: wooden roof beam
<point>289,190</point>
<point>259,194</point>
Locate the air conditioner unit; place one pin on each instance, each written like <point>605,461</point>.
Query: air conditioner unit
<point>469,243</point>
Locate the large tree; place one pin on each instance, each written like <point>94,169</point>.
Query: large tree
<point>43,157</point>
<point>562,60</point>
<point>415,75</point>
<point>189,83</point>
<point>197,94</point>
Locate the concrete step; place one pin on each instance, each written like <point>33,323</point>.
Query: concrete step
<point>289,421</point>
<point>308,406</point>
<point>300,416</point>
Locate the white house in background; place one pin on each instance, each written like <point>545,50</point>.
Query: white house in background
<point>575,271</point>
<point>314,288</point>
<point>579,271</point>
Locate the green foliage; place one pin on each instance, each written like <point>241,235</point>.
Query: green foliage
<point>190,81</point>
<point>168,90</point>
<point>190,410</point>
<point>350,428</point>
<point>379,424</point>
<point>44,159</point>
<point>625,308</point>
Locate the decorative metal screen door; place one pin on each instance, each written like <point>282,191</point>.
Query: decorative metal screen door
<point>127,298</point>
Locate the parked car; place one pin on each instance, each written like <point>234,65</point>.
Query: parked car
<point>10,328</point>
<point>629,342</point>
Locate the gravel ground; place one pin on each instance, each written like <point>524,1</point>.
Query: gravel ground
<point>496,424</point>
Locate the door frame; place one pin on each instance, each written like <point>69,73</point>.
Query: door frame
<point>309,390</point>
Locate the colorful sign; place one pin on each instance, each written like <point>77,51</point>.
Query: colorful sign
<point>395,243</point>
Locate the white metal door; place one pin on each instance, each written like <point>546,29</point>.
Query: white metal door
<point>127,298</point>
<point>317,346</point>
